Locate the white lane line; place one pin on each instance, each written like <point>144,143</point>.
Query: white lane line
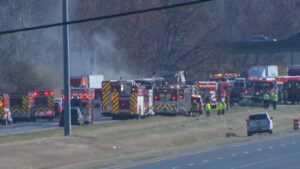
<point>293,142</point>
<point>282,145</point>
<point>205,161</point>
<point>220,158</point>
<point>191,164</point>
<point>233,155</point>
<point>174,167</point>
<point>259,149</point>
<point>265,161</point>
<point>246,152</point>
<point>270,147</point>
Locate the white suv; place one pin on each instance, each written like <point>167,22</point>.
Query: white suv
<point>259,123</point>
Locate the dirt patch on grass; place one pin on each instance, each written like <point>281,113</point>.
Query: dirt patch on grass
<point>112,143</point>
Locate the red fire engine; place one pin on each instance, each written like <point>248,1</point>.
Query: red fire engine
<point>126,99</point>
<point>4,108</point>
<point>171,99</point>
<point>256,87</point>
<point>43,104</point>
<point>20,105</point>
<point>289,88</point>
<point>207,90</point>
<point>82,98</point>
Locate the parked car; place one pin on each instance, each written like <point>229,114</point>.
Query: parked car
<point>259,123</point>
<point>76,117</point>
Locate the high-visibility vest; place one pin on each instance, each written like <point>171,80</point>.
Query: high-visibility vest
<point>207,107</point>
<point>266,97</point>
<point>274,97</point>
<point>219,106</point>
<point>224,105</point>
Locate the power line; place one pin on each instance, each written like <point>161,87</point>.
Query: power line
<point>106,17</point>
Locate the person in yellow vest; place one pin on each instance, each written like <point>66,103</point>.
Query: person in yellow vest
<point>274,100</point>
<point>207,108</point>
<point>266,98</point>
<point>224,106</point>
<point>219,107</point>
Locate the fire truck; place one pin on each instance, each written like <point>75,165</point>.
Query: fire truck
<point>20,105</point>
<point>256,87</point>
<point>172,99</point>
<point>289,89</point>
<point>4,108</point>
<point>43,104</point>
<point>126,99</point>
<point>82,98</point>
<point>207,90</point>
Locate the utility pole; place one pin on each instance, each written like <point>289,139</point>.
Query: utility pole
<point>67,119</point>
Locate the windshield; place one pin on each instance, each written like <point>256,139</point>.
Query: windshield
<point>258,117</point>
<point>41,101</point>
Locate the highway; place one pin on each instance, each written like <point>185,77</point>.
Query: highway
<point>273,153</point>
<point>39,125</point>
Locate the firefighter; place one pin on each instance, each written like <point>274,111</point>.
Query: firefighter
<point>266,98</point>
<point>227,101</point>
<point>224,107</point>
<point>274,100</point>
<point>207,108</point>
<point>194,109</point>
<point>219,107</point>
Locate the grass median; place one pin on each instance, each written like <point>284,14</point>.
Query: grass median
<point>116,142</point>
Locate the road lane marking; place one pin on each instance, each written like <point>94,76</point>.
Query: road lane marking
<point>220,158</point>
<point>270,147</point>
<point>233,155</point>
<point>246,152</point>
<point>282,145</point>
<point>293,142</point>
<point>175,168</point>
<point>259,149</point>
<point>205,161</point>
<point>265,161</point>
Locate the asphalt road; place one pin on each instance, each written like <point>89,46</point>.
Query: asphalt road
<point>272,153</point>
<point>39,125</point>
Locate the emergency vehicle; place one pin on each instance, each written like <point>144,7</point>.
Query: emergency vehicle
<point>172,99</point>
<point>82,98</point>
<point>256,87</point>
<point>4,108</point>
<point>20,105</point>
<point>223,77</point>
<point>207,90</point>
<point>126,99</point>
<point>289,88</point>
<point>43,104</point>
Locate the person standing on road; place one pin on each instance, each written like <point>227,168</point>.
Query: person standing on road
<point>207,108</point>
<point>224,107</point>
<point>266,98</point>
<point>274,100</point>
<point>219,107</point>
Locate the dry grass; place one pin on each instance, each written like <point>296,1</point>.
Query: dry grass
<point>119,141</point>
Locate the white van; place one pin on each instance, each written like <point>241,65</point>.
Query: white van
<point>259,123</point>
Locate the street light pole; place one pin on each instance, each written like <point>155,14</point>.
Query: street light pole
<point>67,119</point>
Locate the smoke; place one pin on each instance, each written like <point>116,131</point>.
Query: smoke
<point>103,58</point>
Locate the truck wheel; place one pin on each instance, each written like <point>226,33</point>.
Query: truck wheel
<point>271,132</point>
